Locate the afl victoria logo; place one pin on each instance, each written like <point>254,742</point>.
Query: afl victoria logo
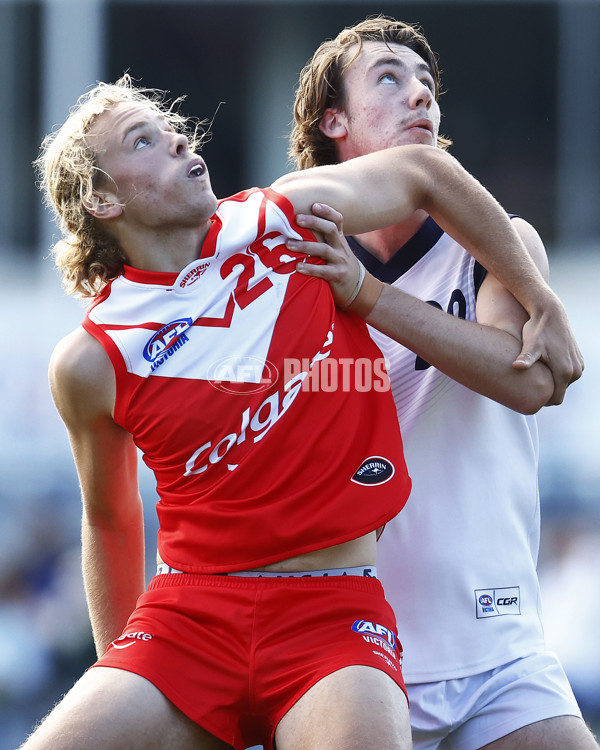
<point>374,470</point>
<point>166,338</point>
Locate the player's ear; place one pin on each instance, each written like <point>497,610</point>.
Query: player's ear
<point>333,123</point>
<point>102,206</point>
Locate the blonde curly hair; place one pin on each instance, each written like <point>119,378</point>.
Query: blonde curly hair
<point>68,174</point>
<point>320,85</point>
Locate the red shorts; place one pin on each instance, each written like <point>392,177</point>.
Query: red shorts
<point>235,654</point>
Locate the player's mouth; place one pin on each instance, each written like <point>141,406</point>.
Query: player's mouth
<point>420,125</point>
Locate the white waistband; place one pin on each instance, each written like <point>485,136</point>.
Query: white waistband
<point>368,571</point>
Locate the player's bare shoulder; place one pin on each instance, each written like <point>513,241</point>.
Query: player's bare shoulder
<point>81,377</point>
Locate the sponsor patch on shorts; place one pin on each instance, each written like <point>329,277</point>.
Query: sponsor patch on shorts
<point>382,640</point>
<point>374,470</point>
<point>497,602</point>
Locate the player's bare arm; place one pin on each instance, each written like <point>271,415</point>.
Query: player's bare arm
<point>387,187</point>
<point>437,183</point>
<point>549,330</point>
<point>82,384</point>
<point>499,310</point>
<point>478,356</point>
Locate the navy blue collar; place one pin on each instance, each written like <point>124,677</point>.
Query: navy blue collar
<point>404,258</point>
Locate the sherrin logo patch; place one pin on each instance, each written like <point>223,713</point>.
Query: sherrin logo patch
<point>374,470</point>
<point>192,276</point>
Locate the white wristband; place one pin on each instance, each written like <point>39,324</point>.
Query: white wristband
<point>359,283</point>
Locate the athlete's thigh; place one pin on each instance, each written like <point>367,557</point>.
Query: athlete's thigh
<point>355,708</point>
<point>557,733</point>
<point>111,709</point>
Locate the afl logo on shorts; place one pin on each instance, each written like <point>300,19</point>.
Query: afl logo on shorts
<point>374,470</point>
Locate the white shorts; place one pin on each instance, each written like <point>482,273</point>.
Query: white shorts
<point>473,711</point>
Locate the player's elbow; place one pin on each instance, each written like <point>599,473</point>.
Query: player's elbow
<point>527,407</point>
<point>529,397</point>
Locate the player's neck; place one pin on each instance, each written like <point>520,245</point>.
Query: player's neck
<point>166,251</point>
<point>384,243</point>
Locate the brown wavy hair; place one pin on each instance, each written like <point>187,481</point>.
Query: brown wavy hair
<point>68,174</point>
<point>320,85</point>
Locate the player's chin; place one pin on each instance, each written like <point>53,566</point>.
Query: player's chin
<point>420,136</point>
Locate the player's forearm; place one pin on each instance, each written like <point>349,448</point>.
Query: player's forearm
<point>113,571</point>
<point>479,357</point>
<point>476,220</point>
<point>386,188</point>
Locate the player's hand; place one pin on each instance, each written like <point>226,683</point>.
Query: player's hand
<point>341,269</point>
<point>547,336</point>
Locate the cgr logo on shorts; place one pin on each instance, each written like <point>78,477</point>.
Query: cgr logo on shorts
<point>373,471</point>
<point>497,602</point>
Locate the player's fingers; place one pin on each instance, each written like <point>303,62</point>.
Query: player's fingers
<point>318,270</point>
<point>314,249</point>
<point>557,397</point>
<point>524,361</point>
<point>321,226</point>
<point>325,211</point>
<point>579,366</point>
<point>560,388</point>
<point>532,347</point>
<point>564,377</point>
